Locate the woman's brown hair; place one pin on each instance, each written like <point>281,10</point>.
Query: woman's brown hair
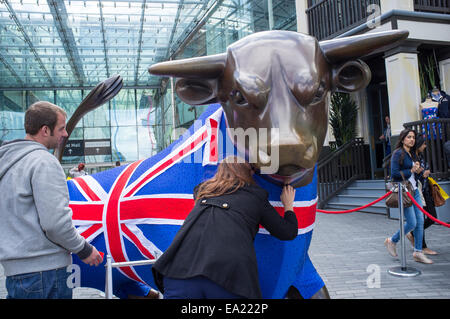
<point>232,174</point>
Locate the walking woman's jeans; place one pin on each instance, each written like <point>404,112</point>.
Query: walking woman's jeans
<point>413,222</point>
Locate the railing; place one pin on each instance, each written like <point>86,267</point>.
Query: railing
<point>110,265</point>
<point>328,18</point>
<point>339,169</point>
<point>436,6</point>
<point>436,132</point>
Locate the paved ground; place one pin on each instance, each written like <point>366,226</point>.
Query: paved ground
<point>347,249</point>
<point>349,254</point>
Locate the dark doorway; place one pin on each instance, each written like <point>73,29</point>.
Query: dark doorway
<point>378,109</point>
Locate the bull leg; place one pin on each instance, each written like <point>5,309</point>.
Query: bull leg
<point>293,293</point>
<point>152,294</point>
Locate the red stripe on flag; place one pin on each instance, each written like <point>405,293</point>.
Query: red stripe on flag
<point>137,242</point>
<point>306,216</point>
<point>89,192</point>
<point>173,208</point>
<point>113,221</point>
<point>91,230</point>
<point>169,162</point>
<point>213,148</point>
<point>87,211</point>
<point>179,208</point>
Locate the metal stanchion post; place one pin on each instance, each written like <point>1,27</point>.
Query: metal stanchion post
<point>403,270</point>
<point>108,279</point>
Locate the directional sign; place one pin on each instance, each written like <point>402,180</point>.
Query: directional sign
<point>74,148</point>
<point>97,147</point>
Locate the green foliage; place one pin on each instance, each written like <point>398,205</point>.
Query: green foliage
<point>343,115</point>
<point>428,76</point>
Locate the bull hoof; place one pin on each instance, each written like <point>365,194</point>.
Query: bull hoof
<point>293,293</point>
<point>152,294</point>
<point>322,294</point>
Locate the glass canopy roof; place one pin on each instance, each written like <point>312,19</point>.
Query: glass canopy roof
<point>77,44</point>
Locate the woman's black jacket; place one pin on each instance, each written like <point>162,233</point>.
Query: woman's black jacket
<point>216,241</point>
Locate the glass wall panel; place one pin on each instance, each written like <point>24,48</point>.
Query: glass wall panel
<point>145,107</point>
<point>98,158</point>
<point>123,108</point>
<point>148,123</point>
<point>73,160</point>
<point>15,101</point>
<point>147,141</point>
<point>77,134</point>
<point>168,118</point>
<point>95,133</point>
<point>9,135</point>
<point>124,143</point>
<point>98,117</point>
<point>186,113</point>
<point>69,100</point>
<point>34,96</point>
<point>11,120</point>
<point>138,122</point>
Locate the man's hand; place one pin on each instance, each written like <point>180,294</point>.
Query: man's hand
<point>94,258</point>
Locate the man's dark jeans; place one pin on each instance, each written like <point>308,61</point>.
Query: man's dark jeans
<point>50,284</point>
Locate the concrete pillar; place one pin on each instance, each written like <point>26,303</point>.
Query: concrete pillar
<point>302,18</point>
<point>402,73</point>
<point>444,71</point>
<point>389,5</point>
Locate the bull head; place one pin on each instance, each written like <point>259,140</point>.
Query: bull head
<point>279,79</point>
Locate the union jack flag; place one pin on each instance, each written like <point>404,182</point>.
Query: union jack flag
<point>133,212</point>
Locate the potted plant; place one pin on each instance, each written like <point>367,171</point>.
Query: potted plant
<point>343,115</point>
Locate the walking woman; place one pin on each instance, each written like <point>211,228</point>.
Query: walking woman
<point>422,177</point>
<point>212,255</point>
<point>402,164</point>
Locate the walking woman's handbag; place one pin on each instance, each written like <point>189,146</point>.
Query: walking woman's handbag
<point>392,199</point>
<point>438,194</point>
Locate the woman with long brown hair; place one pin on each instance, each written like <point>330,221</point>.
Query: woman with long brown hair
<point>212,255</point>
<point>403,167</point>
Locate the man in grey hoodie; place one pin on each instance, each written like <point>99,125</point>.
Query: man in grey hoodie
<point>36,230</point>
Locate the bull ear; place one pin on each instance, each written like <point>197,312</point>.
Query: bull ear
<point>351,76</point>
<point>350,48</point>
<point>196,91</point>
<point>198,77</point>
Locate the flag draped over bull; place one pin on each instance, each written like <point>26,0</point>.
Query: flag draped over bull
<point>133,212</point>
<point>275,82</point>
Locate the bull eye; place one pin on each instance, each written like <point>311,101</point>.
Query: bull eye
<point>238,98</point>
<point>320,93</point>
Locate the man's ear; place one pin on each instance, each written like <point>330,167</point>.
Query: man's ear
<point>45,131</point>
<point>197,91</point>
<point>351,76</point>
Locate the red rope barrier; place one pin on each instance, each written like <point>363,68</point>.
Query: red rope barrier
<point>425,212</point>
<point>379,199</point>
<point>354,209</point>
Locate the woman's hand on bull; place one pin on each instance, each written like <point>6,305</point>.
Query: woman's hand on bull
<point>287,197</point>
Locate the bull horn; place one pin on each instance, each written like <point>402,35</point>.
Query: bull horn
<point>208,67</point>
<point>348,48</point>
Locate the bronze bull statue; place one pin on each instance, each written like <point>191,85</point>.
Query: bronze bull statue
<point>279,79</point>
<point>274,80</point>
